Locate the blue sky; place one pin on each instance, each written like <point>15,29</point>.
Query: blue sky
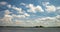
<point>29,12</point>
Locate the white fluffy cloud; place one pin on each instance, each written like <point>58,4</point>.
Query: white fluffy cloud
<point>3,3</point>
<point>50,8</point>
<point>9,6</point>
<point>34,9</point>
<point>22,4</point>
<point>39,8</point>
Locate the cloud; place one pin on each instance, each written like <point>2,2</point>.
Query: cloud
<point>7,19</point>
<point>49,21</point>
<point>26,14</point>
<point>21,16</point>
<point>17,9</point>
<point>58,8</point>
<point>22,4</point>
<point>45,3</point>
<point>34,9</point>
<point>7,12</point>
<point>3,3</point>
<point>9,6</point>
<point>39,8</point>
<point>50,8</point>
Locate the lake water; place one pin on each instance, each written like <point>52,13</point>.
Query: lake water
<point>29,29</point>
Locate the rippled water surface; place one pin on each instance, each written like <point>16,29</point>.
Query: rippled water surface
<point>29,29</point>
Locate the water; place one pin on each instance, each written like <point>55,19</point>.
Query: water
<point>29,29</point>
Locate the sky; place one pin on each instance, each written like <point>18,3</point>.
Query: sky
<point>30,13</point>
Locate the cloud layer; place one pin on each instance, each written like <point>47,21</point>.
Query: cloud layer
<point>11,19</point>
<point>45,21</point>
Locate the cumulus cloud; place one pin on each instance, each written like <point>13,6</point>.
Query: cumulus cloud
<point>7,19</point>
<point>3,3</point>
<point>34,9</point>
<point>9,6</point>
<point>39,8</point>
<point>22,4</point>
<point>50,8</point>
